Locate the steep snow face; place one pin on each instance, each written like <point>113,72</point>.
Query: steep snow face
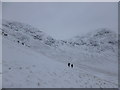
<point>23,68</point>
<point>25,33</point>
<point>95,52</point>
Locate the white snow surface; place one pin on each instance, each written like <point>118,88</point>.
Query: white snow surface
<point>23,68</point>
<point>42,61</point>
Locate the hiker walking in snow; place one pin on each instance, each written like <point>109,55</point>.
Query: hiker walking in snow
<point>22,43</point>
<point>71,65</point>
<point>68,64</point>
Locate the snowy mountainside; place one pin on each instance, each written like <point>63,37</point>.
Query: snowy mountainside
<point>95,52</point>
<point>99,41</point>
<point>96,41</point>
<point>25,33</point>
<point>23,68</point>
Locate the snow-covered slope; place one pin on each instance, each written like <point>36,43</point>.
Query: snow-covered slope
<point>97,41</point>
<point>94,53</point>
<point>23,68</point>
<point>25,33</point>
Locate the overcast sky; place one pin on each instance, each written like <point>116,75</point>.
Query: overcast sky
<point>64,20</point>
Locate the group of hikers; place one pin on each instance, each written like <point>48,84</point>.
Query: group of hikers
<point>19,42</point>
<point>70,65</point>
<point>5,34</point>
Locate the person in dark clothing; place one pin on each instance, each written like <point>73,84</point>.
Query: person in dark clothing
<point>22,43</point>
<point>68,64</point>
<point>72,65</point>
<point>5,34</point>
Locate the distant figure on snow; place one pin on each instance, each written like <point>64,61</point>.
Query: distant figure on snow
<point>72,65</point>
<point>5,34</point>
<point>68,64</point>
<point>22,43</point>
